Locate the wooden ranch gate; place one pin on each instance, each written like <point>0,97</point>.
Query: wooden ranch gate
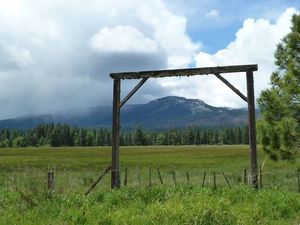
<point>145,75</point>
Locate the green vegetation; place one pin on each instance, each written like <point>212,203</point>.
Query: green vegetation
<point>75,168</point>
<point>184,204</point>
<point>24,198</point>
<point>65,135</point>
<point>280,105</point>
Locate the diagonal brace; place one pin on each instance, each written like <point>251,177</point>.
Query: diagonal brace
<point>98,180</point>
<point>232,87</point>
<point>134,90</point>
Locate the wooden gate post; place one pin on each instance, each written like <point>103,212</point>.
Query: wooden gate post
<point>252,128</point>
<point>115,167</point>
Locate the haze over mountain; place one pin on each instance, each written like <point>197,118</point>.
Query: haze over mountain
<point>162,113</point>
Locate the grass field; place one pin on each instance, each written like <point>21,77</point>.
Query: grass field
<point>24,196</point>
<point>76,168</point>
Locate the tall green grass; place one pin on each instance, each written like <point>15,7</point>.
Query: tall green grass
<point>24,198</point>
<point>76,168</point>
<point>183,204</point>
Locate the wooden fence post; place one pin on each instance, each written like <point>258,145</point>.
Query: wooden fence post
<point>138,174</point>
<point>260,178</point>
<point>299,180</point>
<point>245,177</point>
<point>187,177</point>
<point>51,182</point>
<point>215,182</point>
<point>150,183</point>
<point>174,177</point>
<point>126,177</point>
<point>203,180</point>
<point>159,175</point>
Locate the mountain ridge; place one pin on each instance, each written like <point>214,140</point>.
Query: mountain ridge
<point>162,113</point>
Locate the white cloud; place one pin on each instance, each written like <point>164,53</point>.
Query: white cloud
<point>255,43</point>
<point>169,31</point>
<point>58,54</point>
<point>213,14</point>
<point>122,39</point>
<point>156,22</point>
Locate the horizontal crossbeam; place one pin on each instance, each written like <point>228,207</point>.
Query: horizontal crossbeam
<point>184,72</point>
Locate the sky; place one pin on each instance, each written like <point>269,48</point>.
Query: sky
<point>57,55</point>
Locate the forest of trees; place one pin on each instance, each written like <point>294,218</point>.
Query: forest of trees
<point>64,135</point>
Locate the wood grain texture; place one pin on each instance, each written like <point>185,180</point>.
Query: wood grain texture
<point>184,72</point>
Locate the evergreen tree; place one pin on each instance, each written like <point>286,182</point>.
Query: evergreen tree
<point>160,139</point>
<point>55,138</point>
<point>198,137</point>
<point>82,137</point>
<point>173,138</point>
<point>139,136</point>
<point>245,135</point>
<point>90,137</point>
<point>279,129</point>
<point>19,142</point>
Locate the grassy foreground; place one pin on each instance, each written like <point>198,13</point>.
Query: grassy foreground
<point>24,198</point>
<point>183,204</point>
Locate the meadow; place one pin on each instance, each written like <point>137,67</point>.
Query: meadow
<point>24,198</point>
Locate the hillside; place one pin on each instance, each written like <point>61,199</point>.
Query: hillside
<point>162,113</point>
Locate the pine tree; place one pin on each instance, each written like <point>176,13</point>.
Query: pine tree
<point>139,136</point>
<point>279,129</point>
<point>55,138</point>
<point>90,137</point>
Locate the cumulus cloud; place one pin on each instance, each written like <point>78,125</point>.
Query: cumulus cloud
<point>254,43</point>
<point>170,32</point>
<point>122,39</point>
<point>57,55</point>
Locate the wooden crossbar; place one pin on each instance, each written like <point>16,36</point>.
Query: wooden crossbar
<point>184,72</point>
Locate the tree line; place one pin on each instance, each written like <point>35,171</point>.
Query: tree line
<point>65,135</point>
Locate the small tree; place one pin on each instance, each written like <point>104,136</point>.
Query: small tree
<point>139,136</point>
<point>90,137</point>
<point>55,138</point>
<point>279,129</point>
<point>19,142</point>
<point>160,139</point>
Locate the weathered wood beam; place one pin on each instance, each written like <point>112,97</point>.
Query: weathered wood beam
<point>98,180</point>
<point>232,87</point>
<point>115,165</point>
<point>135,89</point>
<point>252,129</point>
<point>184,72</point>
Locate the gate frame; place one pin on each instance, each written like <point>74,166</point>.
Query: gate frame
<point>145,75</point>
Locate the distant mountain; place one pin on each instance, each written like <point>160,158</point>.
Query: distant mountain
<point>162,113</point>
